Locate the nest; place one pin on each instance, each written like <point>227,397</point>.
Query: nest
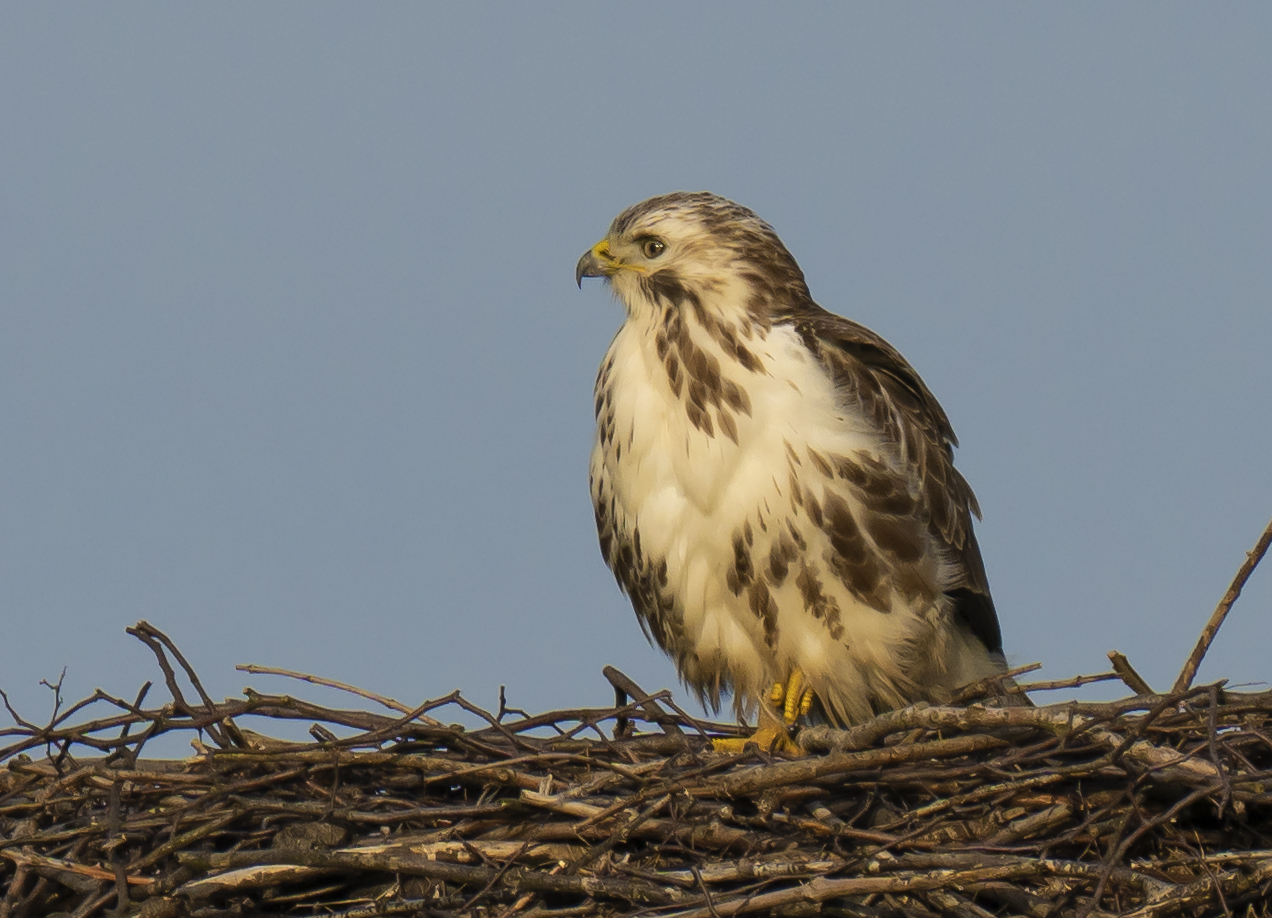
<point>1159,804</point>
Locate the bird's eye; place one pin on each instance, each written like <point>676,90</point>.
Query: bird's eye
<point>653,247</point>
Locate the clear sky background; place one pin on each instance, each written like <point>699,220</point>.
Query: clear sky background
<point>292,363</point>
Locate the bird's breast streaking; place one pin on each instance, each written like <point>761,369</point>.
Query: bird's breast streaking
<point>773,484</point>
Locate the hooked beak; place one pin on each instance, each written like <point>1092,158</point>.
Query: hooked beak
<point>596,262</point>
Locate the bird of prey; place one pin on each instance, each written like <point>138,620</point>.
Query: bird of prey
<point>774,485</point>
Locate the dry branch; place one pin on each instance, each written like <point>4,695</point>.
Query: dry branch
<point>1253,557</point>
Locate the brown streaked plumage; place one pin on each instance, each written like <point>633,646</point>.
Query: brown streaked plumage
<point>774,485</point>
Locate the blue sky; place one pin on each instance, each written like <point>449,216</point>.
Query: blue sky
<point>292,364</point>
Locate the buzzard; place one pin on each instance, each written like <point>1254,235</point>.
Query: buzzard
<point>774,485</point>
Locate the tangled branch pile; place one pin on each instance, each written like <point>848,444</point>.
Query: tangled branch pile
<point>1156,805</point>
<point>1160,804</point>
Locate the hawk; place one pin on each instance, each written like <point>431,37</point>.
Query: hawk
<point>774,485</point>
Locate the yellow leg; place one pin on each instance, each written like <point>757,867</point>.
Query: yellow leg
<point>789,702</point>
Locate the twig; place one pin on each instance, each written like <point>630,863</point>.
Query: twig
<point>499,875</point>
<point>657,715</point>
<point>1208,633</point>
<point>1002,682</point>
<point>114,826</point>
<point>156,640</point>
<point>405,862</point>
<point>1212,745</point>
<point>1071,682</point>
<point>706,894</point>
<point>17,718</point>
<point>1133,680</point>
<point>389,703</point>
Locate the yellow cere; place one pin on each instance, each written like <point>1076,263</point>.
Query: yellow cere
<point>602,251</point>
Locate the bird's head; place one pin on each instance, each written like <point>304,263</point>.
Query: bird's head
<point>695,249</point>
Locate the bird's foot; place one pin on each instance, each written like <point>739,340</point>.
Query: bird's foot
<point>790,701</point>
<point>770,737</point>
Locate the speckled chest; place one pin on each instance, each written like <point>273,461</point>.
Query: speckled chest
<point>696,428</point>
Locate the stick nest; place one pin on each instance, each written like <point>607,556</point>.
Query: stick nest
<point>1154,805</point>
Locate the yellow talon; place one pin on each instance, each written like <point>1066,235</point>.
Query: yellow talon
<point>792,700</point>
<point>777,694</point>
<point>797,698</point>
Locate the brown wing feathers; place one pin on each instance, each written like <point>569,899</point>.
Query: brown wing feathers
<point>872,375</point>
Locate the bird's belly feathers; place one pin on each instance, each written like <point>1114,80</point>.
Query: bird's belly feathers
<point>743,577</point>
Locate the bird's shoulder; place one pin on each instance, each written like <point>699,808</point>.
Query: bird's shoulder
<point>865,367</point>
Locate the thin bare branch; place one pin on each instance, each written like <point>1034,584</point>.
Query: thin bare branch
<point>1253,557</point>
